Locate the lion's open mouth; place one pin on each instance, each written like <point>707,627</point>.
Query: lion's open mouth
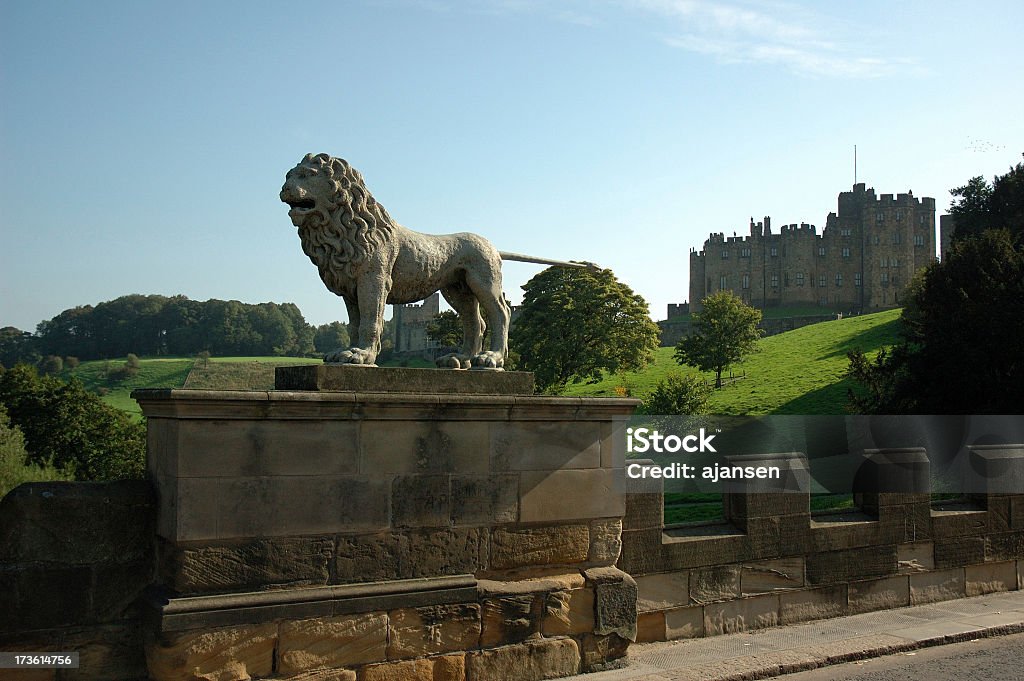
<point>302,204</point>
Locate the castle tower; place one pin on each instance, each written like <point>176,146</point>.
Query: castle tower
<point>863,260</point>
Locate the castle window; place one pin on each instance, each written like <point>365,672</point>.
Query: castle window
<point>775,251</point>
<point>821,281</point>
<point>839,279</point>
<point>897,238</point>
<point>846,251</point>
<point>884,262</point>
<point>821,251</point>
<point>856,279</point>
<point>845,231</point>
<point>880,217</point>
<point>899,215</point>
<point>799,278</point>
<point>921,219</point>
<point>785,279</point>
<point>876,239</point>
<point>919,239</point>
<point>745,252</point>
<point>725,254</point>
<point>885,277</point>
<point>723,282</point>
<point>746,281</point>
<point>775,280</point>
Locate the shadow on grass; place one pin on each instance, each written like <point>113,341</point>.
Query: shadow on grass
<point>868,340</point>
<point>828,400</point>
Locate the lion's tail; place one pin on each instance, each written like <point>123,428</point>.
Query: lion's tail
<point>519,257</point>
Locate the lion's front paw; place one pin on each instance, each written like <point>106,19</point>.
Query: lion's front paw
<point>489,360</point>
<point>452,361</point>
<point>356,356</point>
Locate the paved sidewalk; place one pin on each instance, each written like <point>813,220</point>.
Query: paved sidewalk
<point>783,650</point>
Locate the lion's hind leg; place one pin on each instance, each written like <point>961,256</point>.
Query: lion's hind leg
<point>465,304</point>
<point>486,287</point>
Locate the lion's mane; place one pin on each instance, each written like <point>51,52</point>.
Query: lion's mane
<point>337,237</point>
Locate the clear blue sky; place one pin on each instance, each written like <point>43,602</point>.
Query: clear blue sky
<point>143,144</point>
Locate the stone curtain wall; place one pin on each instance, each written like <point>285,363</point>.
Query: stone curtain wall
<point>385,535</point>
<point>485,595</point>
<point>74,559</point>
<point>773,563</point>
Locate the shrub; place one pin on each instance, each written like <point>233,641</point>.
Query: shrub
<point>71,428</point>
<point>13,467</point>
<point>678,394</point>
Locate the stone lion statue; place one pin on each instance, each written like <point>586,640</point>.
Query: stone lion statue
<point>370,260</point>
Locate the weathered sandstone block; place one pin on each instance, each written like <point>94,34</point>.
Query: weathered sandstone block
<point>521,547</point>
<point>219,655</point>
<point>433,629</point>
<point>332,642</point>
<point>510,619</point>
<point>569,612</point>
<point>615,602</point>
<point>533,661</point>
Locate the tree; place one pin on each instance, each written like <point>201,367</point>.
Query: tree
<point>971,209</point>
<point>980,206</point>
<point>962,326</point>
<point>14,468</point>
<point>575,324</point>
<point>1007,202</point>
<point>446,329</point>
<point>724,332</point>
<point>330,337</point>
<point>18,347</point>
<point>52,365</point>
<point>71,428</point>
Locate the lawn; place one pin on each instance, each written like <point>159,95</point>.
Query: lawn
<point>797,372</point>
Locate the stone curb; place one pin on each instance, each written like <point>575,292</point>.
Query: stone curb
<point>758,667</point>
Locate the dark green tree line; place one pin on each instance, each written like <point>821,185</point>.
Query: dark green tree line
<point>160,325</point>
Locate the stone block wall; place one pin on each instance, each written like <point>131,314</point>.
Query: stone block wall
<point>74,560</point>
<point>774,563</point>
<point>385,535</point>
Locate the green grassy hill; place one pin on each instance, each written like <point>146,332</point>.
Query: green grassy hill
<point>222,373</point>
<point>219,373</point>
<point>240,373</point>
<point>797,372</point>
<point>153,373</point>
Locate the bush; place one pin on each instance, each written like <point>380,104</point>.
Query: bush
<point>52,365</point>
<point>678,394</point>
<point>71,428</point>
<point>71,363</point>
<point>13,467</point>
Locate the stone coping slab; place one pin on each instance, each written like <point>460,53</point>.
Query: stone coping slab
<point>249,404</point>
<point>344,377</point>
<point>171,613</point>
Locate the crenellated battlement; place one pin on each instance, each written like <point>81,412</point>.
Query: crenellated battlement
<point>840,266</point>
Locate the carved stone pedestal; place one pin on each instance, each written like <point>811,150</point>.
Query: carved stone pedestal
<point>325,535</point>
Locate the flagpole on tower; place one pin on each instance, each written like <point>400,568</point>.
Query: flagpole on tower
<point>855,164</point>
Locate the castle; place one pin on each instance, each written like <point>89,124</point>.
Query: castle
<point>862,260</point>
<point>411,326</point>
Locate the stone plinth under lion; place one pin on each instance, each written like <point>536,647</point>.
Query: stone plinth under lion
<point>370,260</point>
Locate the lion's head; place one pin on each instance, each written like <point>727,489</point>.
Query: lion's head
<point>339,221</point>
